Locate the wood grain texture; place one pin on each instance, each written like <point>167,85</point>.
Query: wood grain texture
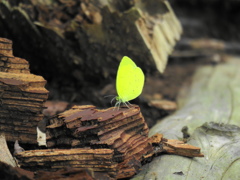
<point>123,130</point>
<point>111,141</point>
<point>22,95</point>
<point>99,160</point>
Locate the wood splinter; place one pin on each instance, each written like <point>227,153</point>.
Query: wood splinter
<point>173,146</point>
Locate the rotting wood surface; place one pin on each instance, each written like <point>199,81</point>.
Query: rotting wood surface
<point>22,95</point>
<point>118,134</point>
<point>123,130</point>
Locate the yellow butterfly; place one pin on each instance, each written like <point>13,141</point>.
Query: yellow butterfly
<point>130,81</point>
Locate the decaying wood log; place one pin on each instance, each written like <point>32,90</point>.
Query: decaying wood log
<point>21,97</point>
<point>209,107</point>
<point>113,141</point>
<point>107,127</point>
<point>123,130</point>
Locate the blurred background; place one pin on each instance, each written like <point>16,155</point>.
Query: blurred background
<point>64,42</point>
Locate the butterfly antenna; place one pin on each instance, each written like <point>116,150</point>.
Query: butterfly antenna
<point>108,96</point>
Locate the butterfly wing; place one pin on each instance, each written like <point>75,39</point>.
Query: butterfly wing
<point>130,80</point>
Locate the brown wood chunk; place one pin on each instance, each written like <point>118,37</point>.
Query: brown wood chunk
<point>5,47</point>
<point>156,139</point>
<point>21,97</point>
<point>124,130</point>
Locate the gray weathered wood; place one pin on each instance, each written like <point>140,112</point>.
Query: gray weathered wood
<point>5,155</point>
<point>210,109</point>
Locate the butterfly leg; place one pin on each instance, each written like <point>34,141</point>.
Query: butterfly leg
<point>129,103</point>
<point>113,100</point>
<point>126,104</point>
<point>117,105</point>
